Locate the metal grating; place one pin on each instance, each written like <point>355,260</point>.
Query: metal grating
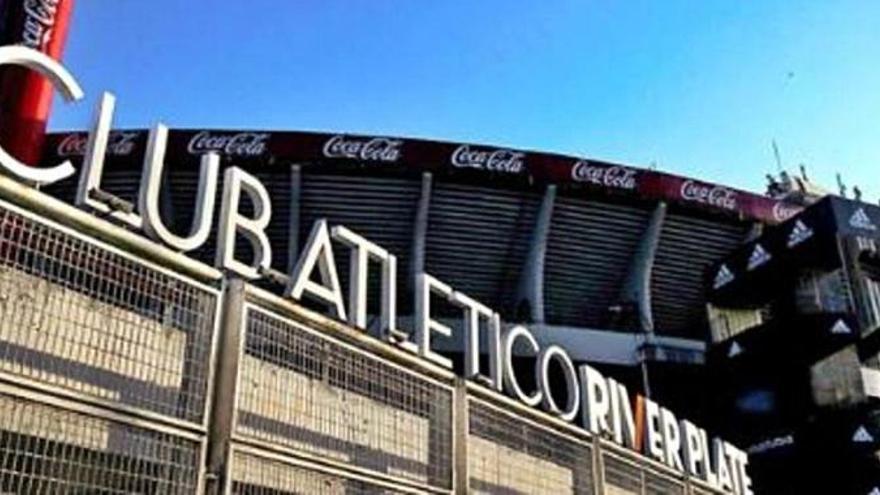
<point>478,239</point>
<point>688,247</point>
<point>48,450</point>
<point>701,491</point>
<point>253,475</point>
<point>621,477</point>
<point>589,250</point>
<point>99,324</point>
<point>658,484</point>
<point>509,455</point>
<point>306,392</point>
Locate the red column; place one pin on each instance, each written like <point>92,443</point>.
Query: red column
<point>25,96</point>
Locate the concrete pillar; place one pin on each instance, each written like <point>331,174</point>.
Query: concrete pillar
<point>222,413</point>
<point>531,281</point>
<point>461,430</point>
<point>636,288</point>
<point>598,466</point>
<point>293,221</point>
<point>420,228</point>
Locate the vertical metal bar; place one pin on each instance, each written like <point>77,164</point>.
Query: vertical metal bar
<point>461,477</point>
<point>598,467</point>
<point>223,410</point>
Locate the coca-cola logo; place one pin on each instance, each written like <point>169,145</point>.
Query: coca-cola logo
<point>374,149</point>
<point>783,211</point>
<point>498,160</point>
<point>719,196</point>
<point>239,144</point>
<point>614,176</point>
<point>39,22</point>
<point>118,144</point>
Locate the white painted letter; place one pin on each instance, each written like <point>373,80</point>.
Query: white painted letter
<point>725,482</point>
<point>318,251</point>
<point>69,89</point>
<point>151,185</point>
<point>597,400</point>
<point>93,165</point>
<point>510,380</point>
<point>362,252</point>
<point>671,439</point>
<point>236,181</point>
<point>694,455</point>
<point>654,437</point>
<point>425,326</point>
<point>622,422</point>
<point>474,313</point>
<point>542,375</point>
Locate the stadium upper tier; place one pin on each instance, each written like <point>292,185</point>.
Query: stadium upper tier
<point>559,240</point>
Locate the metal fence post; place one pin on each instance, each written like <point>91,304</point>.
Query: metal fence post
<point>460,432</point>
<point>223,411</point>
<point>598,469</point>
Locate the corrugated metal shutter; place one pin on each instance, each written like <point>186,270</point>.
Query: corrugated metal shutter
<point>589,251</point>
<point>382,209</point>
<point>688,246</point>
<point>478,239</point>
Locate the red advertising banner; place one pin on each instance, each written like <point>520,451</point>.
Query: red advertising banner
<point>265,148</point>
<point>25,96</point>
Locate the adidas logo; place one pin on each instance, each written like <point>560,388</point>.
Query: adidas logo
<point>799,233</point>
<point>723,277</point>
<point>759,257</point>
<point>862,436</point>
<point>841,328</point>
<point>860,220</point>
<point>735,350</point>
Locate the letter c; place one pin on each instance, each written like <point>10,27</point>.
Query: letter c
<point>510,339</point>
<point>65,83</point>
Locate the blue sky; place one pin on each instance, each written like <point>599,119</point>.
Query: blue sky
<point>696,87</point>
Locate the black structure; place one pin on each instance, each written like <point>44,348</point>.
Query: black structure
<point>795,352</point>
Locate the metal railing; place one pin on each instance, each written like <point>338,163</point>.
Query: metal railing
<point>314,395</point>
<point>105,365</point>
<point>510,453</point>
<point>123,371</point>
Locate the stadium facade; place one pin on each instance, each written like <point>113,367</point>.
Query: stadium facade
<point>609,259</point>
<point>626,248</point>
<point>130,367</point>
<point>508,321</point>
